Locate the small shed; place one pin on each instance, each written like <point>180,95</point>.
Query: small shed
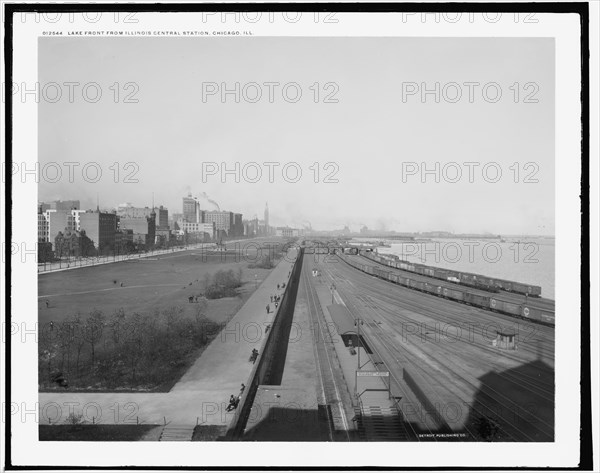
<point>506,339</point>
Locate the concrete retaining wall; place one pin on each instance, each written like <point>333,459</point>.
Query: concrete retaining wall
<point>268,368</point>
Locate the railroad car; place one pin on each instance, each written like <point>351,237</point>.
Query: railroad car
<point>538,314</point>
<point>454,294</point>
<point>440,273</point>
<point>476,299</point>
<point>468,279</point>
<point>431,289</point>
<point>418,285</point>
<point>382,273</point>
<point>465,296</point>
<point>506,307</point>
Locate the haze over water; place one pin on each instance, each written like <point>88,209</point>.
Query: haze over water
<point>521,259</point>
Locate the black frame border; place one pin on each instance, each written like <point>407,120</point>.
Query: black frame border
<point>580,8</point>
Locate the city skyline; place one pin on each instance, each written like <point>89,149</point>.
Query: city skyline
<point>175,131</point>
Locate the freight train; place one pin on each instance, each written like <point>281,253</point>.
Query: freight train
<point>466,279</point>
<point>465,296</point>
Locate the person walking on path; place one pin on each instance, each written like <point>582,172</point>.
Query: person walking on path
<point>268,307</point>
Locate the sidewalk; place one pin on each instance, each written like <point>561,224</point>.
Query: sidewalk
<point>290,411</point>
<point>202,394</point>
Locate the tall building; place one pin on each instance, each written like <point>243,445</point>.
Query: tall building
<point>100,227</point>
<point>238,226</point>
<point>162,216</point>
<point>143,228</point>
<point>223,220</point>
<point>42,228</point>
<point>191,209</point>
<point>58,221</point>
<point>76,214</point>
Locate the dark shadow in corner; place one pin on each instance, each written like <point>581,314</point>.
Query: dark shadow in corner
<point>515,405</point>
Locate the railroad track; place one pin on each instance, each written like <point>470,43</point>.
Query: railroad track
<point>487,318</point>
<point>544,391</point>
<point>330,391</point>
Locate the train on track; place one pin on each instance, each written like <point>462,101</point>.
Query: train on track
<point>466,279</point>
<point>466,296</point>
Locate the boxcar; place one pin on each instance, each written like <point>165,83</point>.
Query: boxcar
<point>430,288</point>
<point>477,300</point>
<point>418,285</point>
<point>505,307</point>
<point>526,289</point>
<point>538,314</point>
<point>454,294</point>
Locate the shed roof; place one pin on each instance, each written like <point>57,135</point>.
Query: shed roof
<point>342,319</point>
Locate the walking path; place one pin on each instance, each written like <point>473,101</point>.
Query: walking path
<point>202,394</point>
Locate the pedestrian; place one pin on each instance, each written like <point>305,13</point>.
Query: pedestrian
<point>277,286</point>
<point>121,284</point>
<point>276,305</point>
<point>243,387</point>
<point>47,303</point>
<point>268,309</point>
<point>271,298</point>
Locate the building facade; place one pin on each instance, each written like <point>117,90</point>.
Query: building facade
<point>100,228</point>
<point>223,220</point>
<point>191,209</point>
<point>287,232</point>
<point>162,218</point>
<point>143,228</point>
<point>208,230</point>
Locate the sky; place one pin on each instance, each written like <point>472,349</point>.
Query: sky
<point>378,139</point>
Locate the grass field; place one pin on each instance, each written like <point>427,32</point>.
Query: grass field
<point>144,356</point>
<point>148,284</point>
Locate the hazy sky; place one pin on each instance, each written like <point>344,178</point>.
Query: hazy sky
<point>371,133</point>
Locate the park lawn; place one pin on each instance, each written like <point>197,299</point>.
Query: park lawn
<point>150,286</point>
